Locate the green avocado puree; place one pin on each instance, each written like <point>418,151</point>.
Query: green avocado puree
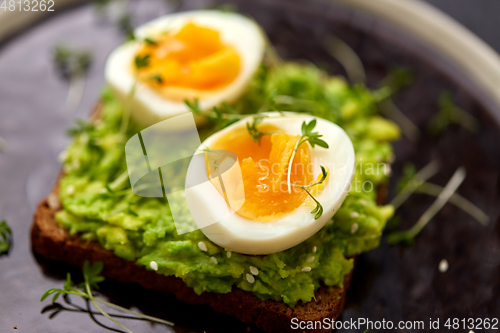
<point>98,203</point>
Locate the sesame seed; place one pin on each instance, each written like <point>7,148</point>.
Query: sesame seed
<point>315,248</point>
<point>228,254</point>
<point>254,270</point>
<point>214,260</point>
<point>306,269</point>
<point>354,228</point>
<point>354,215</point>
<point>53,201</point>
<point>310,259</point>
<point>153,265</point>
<point>443,265</point>
<point>250,278</point>
<point>363,202</point>
<point>387,169</point>
<point>70,189</point>
<point>203,246</point>
<point>62,156</point>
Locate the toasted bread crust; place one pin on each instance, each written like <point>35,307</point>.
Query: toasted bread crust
<point>53,242</point>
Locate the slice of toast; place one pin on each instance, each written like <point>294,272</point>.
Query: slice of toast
<point>53,242</point>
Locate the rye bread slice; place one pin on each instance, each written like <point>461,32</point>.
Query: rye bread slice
<point>53,242</point>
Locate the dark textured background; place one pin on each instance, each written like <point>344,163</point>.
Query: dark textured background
<point>395,283</point>
<point>480,16</point>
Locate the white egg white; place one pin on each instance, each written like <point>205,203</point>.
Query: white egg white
<point>239,234</point>
<point>147,105</point>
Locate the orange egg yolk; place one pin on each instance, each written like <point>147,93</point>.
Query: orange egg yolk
<point>264,169</point>
<point>193,58</point>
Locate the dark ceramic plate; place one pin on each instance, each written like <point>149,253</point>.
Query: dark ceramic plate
<point>392,283</point>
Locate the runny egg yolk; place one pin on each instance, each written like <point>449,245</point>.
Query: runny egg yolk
<point>193,58</point>
<point>264,170</point>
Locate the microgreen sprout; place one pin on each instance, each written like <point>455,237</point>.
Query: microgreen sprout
<point>254,132</point>
<point>150,41</point>
<point>348,58</point>
<point>217,156</point>
<point>92,277</point>
<point>307,136</point>
<point>3,144</point>
<point>416,182</point>
<point>398,78</point>
<point>125,25</point>
<point>73,65</point>
<point>157,78</point>
<point>408,236</point>
<point>448,114</point>
<point>5,237</point>
<point>71,62</point>
<point>318,210</point>
<point>392,83</point>
<point>217,114</point>
<point>141,61</point>
<point>412,181</point>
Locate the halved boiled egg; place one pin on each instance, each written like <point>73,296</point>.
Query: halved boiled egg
<point>278,209</point>
<point>205,55</point>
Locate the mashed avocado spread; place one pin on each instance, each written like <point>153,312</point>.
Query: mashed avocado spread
<point>98,203</point>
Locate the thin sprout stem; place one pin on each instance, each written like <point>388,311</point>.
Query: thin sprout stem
<point>319,207</point>
<point>76,88</point>
<point>140,315</point>
<point>391,111</point>
<point>465,119</point>
<point>306,186</point>
<point>312,197</point>
<point>457,200</point>
<point>441,200</point>
<point>92,299</point>
<point>3,144</point>
<point>109,317</point>
<point>76,293</point>
<point>423,175</point>
<point>348,58</point>
<point>297,145</point>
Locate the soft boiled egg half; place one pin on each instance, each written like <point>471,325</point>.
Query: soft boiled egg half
<point>205,55</point>
<point>271,216</point>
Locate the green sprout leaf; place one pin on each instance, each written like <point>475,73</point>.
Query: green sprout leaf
<point>318,210</point>
<point>449,114</point>
<point>307,136</point>
<point>125,25</point>
<point>142,61</point>
<point>255,133</point>
<point>71,62</point>
<point>157,78</point>
<point>397,78</point>
<point>5,237</point>
<point>194,106</point>
<point>150,41</point>
<point>92,277</point>
<point>409,176</point>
